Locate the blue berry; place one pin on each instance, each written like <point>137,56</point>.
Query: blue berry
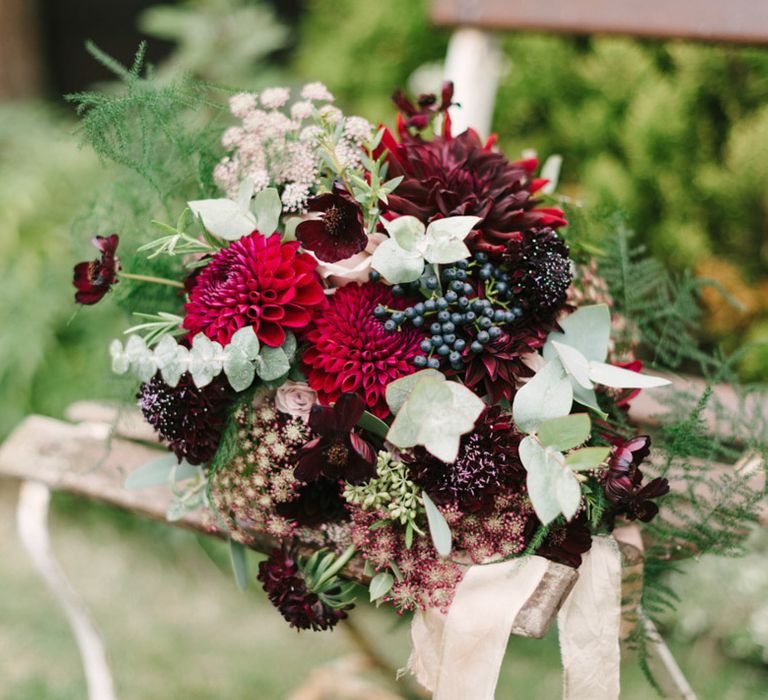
<point>459,344</point>
<point>487,311</point>
<point>449,338</point>
<point>444,315</point>
<point>467,289</point>
<point>470,316</point>
<point>494,331</point>
<point>442,303</point>
<point>429,305</point>
<point>499,315</point>
<point>431,283</point>
<point>420,361</point>
<point>436,341</point>
<point>485,323</point>
<point>419,309</point>
<point>448,327</point>
<point>481,257</point>
<point>418,322</point>
<point>443,350</point>
<point>374,275</point>
<point>390,325</point>
<point>398,290</point>
<point>379,311</point>
<point>476,347</point>
<point>484,274</point>
<point>457,285</point>
<point>410,312</point>
<point>483,337</point>
<point>463,303</point>
<point>435,328</point>
<point>462,264</point>
<point>454,357</point>
<point>502,287</point>
<point>398,317</point>
<point>451,296</point>
<point>509,316</point>
<point>425,345</point>
<point>461,275</point>
<point>433,363</point>
<point>457,318</point>
<point>449,274</point>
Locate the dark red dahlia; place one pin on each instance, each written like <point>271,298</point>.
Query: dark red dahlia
<point>350,351</point>
<point>565,542</point>
<point>462,176</point>
<point>287,591</point>
<point>488,464</point>
<point>191,420</point>
<point>540,271</point>
<point>338,452</point>
<point>259,282</point>
<point>338,233</point>
<point>94,279</point>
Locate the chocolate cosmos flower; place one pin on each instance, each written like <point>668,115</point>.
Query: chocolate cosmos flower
<point>94,279</point>
<point>338,233</point>
<point>426,107</point>
<point>338,452</point>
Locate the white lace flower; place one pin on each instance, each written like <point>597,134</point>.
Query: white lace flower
<point>275,97</point>
<point>242,103</point>
<point>317,92</point>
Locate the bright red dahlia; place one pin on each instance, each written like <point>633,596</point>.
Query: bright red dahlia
<point>350,351</point>
<point>259,282</point>
<point>462,176</point>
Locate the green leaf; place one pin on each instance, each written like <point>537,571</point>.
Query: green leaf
<point>407,232</point>
<point>587,329</point>
<point>444,252</point>
<point>373,424</point>
<point>398,391</point>
<point>567,492</point>
<point>587,458</point>
<point>239,369</point>
<point>396,264</point>
<point>223,218</point>
<point>246,340</point>
<point>267,208</point>
<point>380,585</point>
<point>547,395</point>
<point>438,527</point>
<point>274,364</point>
<point>158,472</point>
<point>542,472</point>
<point>565,433</point>
<point>239,564</point>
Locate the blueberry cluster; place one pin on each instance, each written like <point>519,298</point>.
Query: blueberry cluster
<point>463,311</point>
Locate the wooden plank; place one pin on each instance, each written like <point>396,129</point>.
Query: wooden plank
<point>87,460</point>
<point>740,21</point>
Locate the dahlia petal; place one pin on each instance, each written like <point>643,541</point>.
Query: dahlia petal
<point>270,334</point>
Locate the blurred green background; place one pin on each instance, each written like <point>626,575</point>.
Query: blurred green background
<point>673,135</point>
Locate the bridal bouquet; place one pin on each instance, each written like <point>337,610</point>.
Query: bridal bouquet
<point>389,347</point>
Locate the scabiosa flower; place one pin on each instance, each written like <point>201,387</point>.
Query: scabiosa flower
<point>462,176</point>
<point>189,419</point>
<point>338,452</point>
<point>488,464</point>
<point>540,271</point>
<point>350,350</point>
<point>94,279</point>
<point>255,281</point>
<point>287,590</point>
<point>338,233</point>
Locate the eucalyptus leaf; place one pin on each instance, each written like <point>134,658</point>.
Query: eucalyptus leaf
<point>267,208</point>
<point>239,369</point>
<point>158,473</point>
<point>587,329</point>
<point>407,232</point>
<point>239,564</point>
<point>620,378</point>
<point>224,218</point>
<point>274,364</point>
<point>398,391</point>
<point>176,510</point>
<point>396,264</point>
<point>564,433</point>
<point>575,363</point>
<point>587,458</point>
<point>567,492</point>
<point>438,527</point>
<point>205,360</point>
<point>547,395</point>
<point>542,473</point>
<point>380,585</point>
<point>373,424</point>
<point>120,362</point>
<point>245,340</point>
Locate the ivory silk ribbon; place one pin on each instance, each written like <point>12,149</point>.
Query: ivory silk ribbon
<point>458,655</point>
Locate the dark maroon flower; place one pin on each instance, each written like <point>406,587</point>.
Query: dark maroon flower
<point>287,590</point>
<point>635,500</point>
<point>462,176</point>
<point>540,271</point>
<point>255,281</point>
<point>191,420</point>
<point>338,452</point>
<point>338,233</point>
<point>320,501</point>
<point>565,542</point>
<point>488,464</point>
<point>426,107</point>
<point>94,279</point>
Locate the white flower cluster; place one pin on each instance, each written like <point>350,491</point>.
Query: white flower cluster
<point>276,143</point>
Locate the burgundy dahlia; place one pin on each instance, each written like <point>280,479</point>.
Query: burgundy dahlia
<point>287,591</point>
<point>540,271</point>
<point>191,420</point>
<point>95,278</point>
<point>350,351</point>
<point>259,282</point>
<point>488,464</point>
<point>338,452</point>
<point>338,233</point>
<point>462,176</point>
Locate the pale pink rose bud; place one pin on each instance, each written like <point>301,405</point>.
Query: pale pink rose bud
<point>296,399</point>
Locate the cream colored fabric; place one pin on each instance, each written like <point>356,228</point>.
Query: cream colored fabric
<point>458,655</point>
<point>589,623</point>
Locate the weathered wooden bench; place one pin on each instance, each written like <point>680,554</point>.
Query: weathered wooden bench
<point>91,453</point>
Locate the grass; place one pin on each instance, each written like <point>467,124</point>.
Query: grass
<point>176,627</point>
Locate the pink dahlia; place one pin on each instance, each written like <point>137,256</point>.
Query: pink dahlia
<point>350,350</point>
<point>259,282</point>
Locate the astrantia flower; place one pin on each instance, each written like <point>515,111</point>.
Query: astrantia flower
<point>350,351</point>
<point>338,452</point>
<point>338,232</point>
<point>462,176</point>
<point>287,591</point>
<point>487,464</point>
<point>189,419</point>
<point>94,279</point>
<point>259,282</point>
<point>540,270</point>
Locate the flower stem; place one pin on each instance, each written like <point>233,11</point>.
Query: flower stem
<point>150,278</point>
<point>338,565</point>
